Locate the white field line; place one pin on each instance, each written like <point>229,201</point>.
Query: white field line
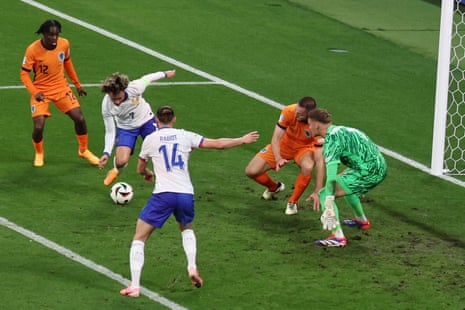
<point>213,78</point>
<point>153,53</point>
<point>210,77</point>
<point>6,87</point>
<point>419,166</point>
<point>86,262</point>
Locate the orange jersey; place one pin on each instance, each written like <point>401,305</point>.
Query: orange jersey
<point>297,134</point>
<point>48,67</point>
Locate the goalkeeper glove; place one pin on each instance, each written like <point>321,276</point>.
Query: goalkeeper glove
<point>328,218</point>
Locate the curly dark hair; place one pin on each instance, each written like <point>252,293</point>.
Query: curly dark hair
<point>115,83</point>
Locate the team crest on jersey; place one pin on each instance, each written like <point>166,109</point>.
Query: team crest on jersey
<point>135,101</point>
<point>308,133</point>
<point>61,56</point>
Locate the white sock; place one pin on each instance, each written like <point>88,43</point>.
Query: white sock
<point>189,244</point>
<point>136,261</point>
<point>362,218</point>
<point>338,233</point>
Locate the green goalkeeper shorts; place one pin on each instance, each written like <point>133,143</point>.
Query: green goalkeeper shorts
<point>354,182</point>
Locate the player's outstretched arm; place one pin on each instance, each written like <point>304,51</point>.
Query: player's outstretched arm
<point>142,169</point>
<point>170,73</point>
<point>226,143</point>
<point>152,77</point>
<point>278,134</point>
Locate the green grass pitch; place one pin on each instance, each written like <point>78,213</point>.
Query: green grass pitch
<point>250,254</point>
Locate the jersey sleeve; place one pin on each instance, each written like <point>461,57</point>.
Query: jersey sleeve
<point>137,87</point>
<point>26,68</point>
<point>331,175</point>
<point>145,148</point>
<point>27,81</point>
<point>194,138</point>
<point>332,156</point>
<point>152,77</point>
<point>69,67</point>
<point>110,127</point>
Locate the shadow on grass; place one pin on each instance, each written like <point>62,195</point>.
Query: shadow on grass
<point>441,234</point>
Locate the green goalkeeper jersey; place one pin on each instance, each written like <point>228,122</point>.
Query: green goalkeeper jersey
<point>355,150</point>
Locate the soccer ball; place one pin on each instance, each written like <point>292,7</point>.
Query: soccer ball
<point>121,193</point>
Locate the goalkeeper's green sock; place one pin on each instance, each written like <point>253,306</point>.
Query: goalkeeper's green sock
<point>354,202</point>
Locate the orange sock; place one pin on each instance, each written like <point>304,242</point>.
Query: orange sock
<point>38,146</point>
<point>83,142</point>
<point>300,185</point>
<point>265,180</point>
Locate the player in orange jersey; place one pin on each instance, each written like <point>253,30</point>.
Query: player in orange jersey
<point>292,140</point>
<point>48,59</point>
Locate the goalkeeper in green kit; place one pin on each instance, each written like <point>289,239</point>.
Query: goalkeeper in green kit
<point>365,169</point>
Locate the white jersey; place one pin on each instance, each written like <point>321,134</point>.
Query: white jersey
<point>132,113</point>
<point>169,149</point>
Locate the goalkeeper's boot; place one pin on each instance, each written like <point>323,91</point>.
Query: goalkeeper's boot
<point>89,156</point>
<point>196,280</point>
<point>39,160</point>
<point>291,208</point>
<point>130,291</point>
<point>332,241</point>
<point>268,195</point>
<point>356,223</point>
<point>112,175</point>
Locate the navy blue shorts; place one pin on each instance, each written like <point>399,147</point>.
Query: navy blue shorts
<point>160,206</point>
<point>128,138</point>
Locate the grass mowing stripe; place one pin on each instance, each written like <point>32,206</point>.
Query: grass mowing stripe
<point>86,262</point>
<point>206,75</point>
<point>153,53</point>
<point>402,257</point>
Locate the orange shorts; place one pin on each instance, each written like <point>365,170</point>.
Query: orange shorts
<point>64,100</point>
<point>295,154</point>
